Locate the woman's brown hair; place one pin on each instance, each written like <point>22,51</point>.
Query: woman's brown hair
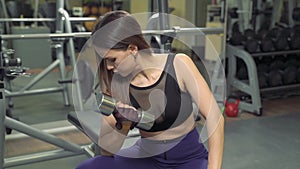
<point>116,30</point>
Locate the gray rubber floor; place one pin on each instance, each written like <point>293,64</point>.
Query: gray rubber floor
<point>263,143</point>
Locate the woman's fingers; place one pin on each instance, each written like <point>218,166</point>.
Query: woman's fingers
<point>127,112</point>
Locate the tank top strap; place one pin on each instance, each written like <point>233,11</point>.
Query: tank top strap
<point>169,65</point>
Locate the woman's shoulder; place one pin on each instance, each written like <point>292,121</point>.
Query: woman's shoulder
<point>182,59</point>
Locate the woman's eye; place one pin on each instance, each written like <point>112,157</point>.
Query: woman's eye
<point>111,60</point>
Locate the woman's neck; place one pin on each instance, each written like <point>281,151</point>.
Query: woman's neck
<point>149,69</point>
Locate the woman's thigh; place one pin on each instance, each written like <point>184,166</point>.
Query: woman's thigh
<point>98,162</point>
<point>117,162</point>
<point>195,164</point>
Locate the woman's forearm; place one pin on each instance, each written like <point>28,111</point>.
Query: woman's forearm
<point>216,143</point>
<point>112,141</point>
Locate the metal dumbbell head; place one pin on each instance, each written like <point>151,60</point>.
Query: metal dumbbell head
<point>107,105</point>
<point>146,120</point>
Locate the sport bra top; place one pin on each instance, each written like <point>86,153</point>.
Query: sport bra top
<point>164,99</point>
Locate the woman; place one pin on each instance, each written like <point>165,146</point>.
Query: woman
<point>162,84</point>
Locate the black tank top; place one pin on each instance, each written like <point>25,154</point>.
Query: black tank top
<point>163,99</point>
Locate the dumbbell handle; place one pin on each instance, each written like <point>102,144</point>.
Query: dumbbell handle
<point>107,107</point>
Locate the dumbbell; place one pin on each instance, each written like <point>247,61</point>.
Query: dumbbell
<point>279,38</point>
<point>237,38</point>
<point>265,43</point>
<point>262,72</point>
<point>262,79</point>
<point>275,78</point>
<point>276,67</point>
<point>262,67</point>
<point>290,69</point>
<point>295,38</point>
<point>247,40</point>
<point>298,75</point>
<point>107,106</point>
<point>289,75</point>
<point>277,64</point>
<point>296,14</point>
<point>251,44</point>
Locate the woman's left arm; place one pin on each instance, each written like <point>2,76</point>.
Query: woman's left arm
<point>194,83</point>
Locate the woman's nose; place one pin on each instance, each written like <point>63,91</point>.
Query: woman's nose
<point>110,67</point>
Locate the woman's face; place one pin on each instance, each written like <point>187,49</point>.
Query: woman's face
<point>120,61</point>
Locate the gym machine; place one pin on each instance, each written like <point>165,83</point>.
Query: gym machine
<point>56,42</point>
<point>66,149</point>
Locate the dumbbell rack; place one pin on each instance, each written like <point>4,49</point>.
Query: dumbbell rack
<point>250,88</point>
<point>281,87</point>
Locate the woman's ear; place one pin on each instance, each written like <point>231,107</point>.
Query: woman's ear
<point>133,49</point>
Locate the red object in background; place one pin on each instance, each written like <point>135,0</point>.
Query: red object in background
<point>232,109</point>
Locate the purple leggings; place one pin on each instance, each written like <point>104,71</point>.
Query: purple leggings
<point>186,153</point>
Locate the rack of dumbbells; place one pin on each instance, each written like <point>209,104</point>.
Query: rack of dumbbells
<point>264,62</point>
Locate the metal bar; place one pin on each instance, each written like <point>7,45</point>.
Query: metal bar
<point>291,5</point>
<point>2,120</point>
<point>89,150</point>
<point>5,15</point>
<point>2,112</point>
<point>241,16</point>
<point>72,19</point>
<point>41,75</point>
<point>33,132</point>
<point>179,30</point>
<point>35,12</point>
<point>275,53</point>
<point>60,49</point>
<point>282,88</point>
<point>33,92</point>
<point>275,12</point>
<point>59,18</point>
<point>87,34</point>
<point>37,157</point>
<point>163,9</point>
<point>55,130</point>
<point>68,29</point>
<point>46,35</point>
<point>204,30</point>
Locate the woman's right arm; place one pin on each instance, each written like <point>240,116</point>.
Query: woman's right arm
<point>111,139</point>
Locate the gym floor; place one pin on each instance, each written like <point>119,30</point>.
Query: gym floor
<point>268,141</point>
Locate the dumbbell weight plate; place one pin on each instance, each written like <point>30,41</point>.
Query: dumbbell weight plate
<point>296,14</point>
<point>289,75</point>
<point>274,78</point>
<point>249,34</point>
<point>262,67</point>
<point>262,80</point>
<point>294,42</point>
<point>276,65</point>
<point>281,43</point>
<point>298,75</point>
<point>251,45</point>
<point>237,38</point>
<point>266,45</point>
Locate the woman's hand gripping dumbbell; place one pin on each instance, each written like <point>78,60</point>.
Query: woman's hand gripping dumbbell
<point>123,112</point>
